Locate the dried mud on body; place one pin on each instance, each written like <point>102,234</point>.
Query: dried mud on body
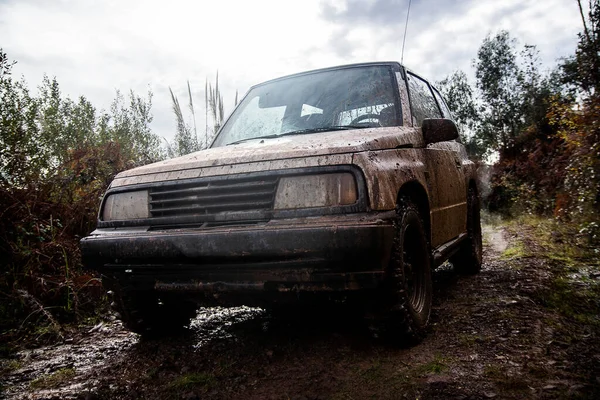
<point>519,329</point>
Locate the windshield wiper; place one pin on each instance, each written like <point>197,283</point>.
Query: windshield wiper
<point>253,138</point>
<point>328,128</point>
<point>305,131</point>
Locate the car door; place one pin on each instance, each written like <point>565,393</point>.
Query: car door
<point>444,168</point>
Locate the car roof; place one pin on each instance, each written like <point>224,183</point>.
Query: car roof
<point>343,66</point>
<point>337,67</point>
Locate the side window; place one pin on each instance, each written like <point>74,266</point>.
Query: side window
<point>422,101</point>
<point>442,103</point>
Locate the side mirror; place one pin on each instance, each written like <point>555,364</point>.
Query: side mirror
<point>438,130</point>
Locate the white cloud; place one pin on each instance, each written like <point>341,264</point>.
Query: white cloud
<point>96,47</point>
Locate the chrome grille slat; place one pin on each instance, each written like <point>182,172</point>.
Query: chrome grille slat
<point>213,197</point>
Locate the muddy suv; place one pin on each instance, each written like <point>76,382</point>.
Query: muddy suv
<point>345,183</point>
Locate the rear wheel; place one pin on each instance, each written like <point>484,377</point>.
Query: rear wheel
<point>469,257</point>
<point>144,312</point>
<point>409,288</point>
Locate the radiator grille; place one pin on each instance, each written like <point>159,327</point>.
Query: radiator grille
<point>213,197</point>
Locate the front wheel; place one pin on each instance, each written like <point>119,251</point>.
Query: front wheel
<point>409,287</point>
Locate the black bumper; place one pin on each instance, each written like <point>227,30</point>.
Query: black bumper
<point>333,254</point>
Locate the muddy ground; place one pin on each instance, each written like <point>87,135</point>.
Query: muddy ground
<point>519,329</point>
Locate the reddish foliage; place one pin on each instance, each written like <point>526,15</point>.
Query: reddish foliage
<point>531,173</point>
<point>554,168</point>
<point>40,227</point>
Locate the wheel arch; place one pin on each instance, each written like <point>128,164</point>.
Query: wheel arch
<point>417,193</point>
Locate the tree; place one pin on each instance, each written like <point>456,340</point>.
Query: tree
<point>6,66</point>
<point>583,69</point>
<point>459,96</point>
<point>128,125</point>
<point>497,74</point>
<point>65,125</point>
<point>460,99</point>
<point>21,159</point>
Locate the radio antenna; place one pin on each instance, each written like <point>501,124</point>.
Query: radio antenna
<point>405,28</point>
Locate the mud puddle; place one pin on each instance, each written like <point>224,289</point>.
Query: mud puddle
<point>62,371</point>
<point>216,323</point>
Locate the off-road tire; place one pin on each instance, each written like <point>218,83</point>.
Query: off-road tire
<point>144,312</point>
<point>467,260</point>
<point>408,280</point>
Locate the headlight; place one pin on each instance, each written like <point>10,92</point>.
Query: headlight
<point>127,205</point>
<point>316,191</point>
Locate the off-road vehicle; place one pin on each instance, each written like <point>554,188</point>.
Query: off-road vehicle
<point>341,183</point>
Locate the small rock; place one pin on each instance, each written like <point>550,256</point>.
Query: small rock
<point>438,379</point>
<point>549,387</point>
<point>490,395</point>
<point>96,327</point>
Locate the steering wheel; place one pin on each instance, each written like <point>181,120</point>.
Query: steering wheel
<point>365,116</point>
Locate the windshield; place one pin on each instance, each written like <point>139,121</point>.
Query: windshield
<point>356,97</point>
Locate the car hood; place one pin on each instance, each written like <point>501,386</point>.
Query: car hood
<point>288,147</point>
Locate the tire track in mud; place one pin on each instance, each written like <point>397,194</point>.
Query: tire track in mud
<point>490,337</point>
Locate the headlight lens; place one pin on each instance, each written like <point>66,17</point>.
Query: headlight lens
<point>127,205</point>
<point>316,191</point>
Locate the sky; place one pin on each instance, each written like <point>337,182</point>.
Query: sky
<point>94,48</point>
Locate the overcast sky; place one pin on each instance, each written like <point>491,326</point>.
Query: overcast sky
<point>96,47</point>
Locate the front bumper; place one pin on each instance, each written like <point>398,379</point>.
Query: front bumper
<point>334,253</point>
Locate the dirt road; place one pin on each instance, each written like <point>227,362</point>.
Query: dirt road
<point>504,333</point>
